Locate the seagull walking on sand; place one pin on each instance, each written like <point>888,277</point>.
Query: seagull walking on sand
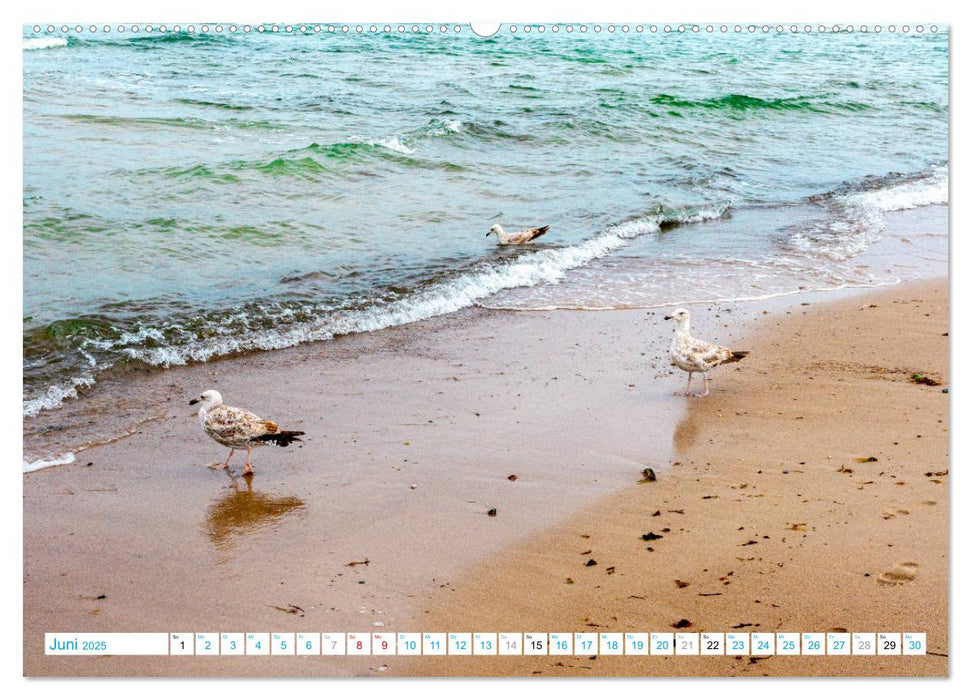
<point>516,237</point>
<point>237,428</point>
<point>693,355</point>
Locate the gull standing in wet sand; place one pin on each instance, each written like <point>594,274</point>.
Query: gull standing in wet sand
<point>516,237</point>
<point>693,355</point>
<point>237,428</point>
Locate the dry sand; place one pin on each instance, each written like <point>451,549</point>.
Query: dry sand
<point>412,434</point>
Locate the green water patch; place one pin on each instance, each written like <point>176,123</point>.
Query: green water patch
<point>254,235</point>
<point>65,227</point>
<point>746,103</point>
<point>197,172</point>
<point>290,167</point>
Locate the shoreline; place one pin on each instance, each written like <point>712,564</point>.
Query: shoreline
<point>906,252</point>
<point>345,496</point>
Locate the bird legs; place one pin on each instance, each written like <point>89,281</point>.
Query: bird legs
<point>248,469</point>
<point>223,465</point>
<point>687,389</point>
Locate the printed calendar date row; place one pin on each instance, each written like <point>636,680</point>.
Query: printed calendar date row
<point>488,643</point>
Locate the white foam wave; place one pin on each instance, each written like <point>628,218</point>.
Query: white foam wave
<point>542,266</point>
<point>55,395</point>
<point>444,128</point>
<point>906,195</point>
<point>453,126</point>
<point>47,42</point>
<point>856,220</point>
<point>393,143</point>
<point>67,458</point>
<point>548,265</point>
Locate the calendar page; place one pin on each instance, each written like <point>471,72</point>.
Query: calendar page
<point>438,349</point>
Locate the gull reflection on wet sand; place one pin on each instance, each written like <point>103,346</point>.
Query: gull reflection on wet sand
<point>243,511</point>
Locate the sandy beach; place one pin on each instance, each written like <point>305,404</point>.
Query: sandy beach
<point>807,493</point>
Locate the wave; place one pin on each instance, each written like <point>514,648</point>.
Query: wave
<point>741,103</point>
<point>274,326</point>
<point>55,395</point>
<point>211,103</point>
<point>895,193</point>
<point>854,214</point>
<point>45,42</point>
<point>183,37</point>
<point>67,458</point>
<point>393,143</point>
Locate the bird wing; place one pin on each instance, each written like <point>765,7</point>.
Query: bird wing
<point>520,237</point>
<point>709,353</point>
<point>228,424</point>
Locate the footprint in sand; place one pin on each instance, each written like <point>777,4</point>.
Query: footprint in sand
<point>899,575</point>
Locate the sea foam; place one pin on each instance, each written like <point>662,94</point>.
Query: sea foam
<point>46,42</point>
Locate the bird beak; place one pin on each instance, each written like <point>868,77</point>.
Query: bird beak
<point>668,318</point>
<point>487,235</point>
<point>193,402</point>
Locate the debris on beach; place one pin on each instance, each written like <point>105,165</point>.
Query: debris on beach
<point>651,536</point>
<point>492,513</point>
<point>864,460</point>
<point>648,475</point>
<point>512,477</point>
<point>290,609</point>
<point>363,562</point>
<point>681,624</point>
<point>681,584</point>
<point>591,562</point>
<point>918,378</point>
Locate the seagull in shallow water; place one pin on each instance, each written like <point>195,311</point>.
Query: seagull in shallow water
<point>237,428</point>
<point>516,237</point>
<point>693,355</point>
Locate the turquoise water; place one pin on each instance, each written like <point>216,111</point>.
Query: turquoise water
<point>190,197</point>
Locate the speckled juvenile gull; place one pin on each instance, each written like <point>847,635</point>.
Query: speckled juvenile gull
<point>237,428</point>
<point>516,237</point>
<point>693,355</point>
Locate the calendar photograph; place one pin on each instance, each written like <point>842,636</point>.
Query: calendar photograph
<point>465,350</point>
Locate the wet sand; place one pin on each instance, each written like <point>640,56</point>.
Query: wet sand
<point>412,435</point>
<point>809,492</point>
